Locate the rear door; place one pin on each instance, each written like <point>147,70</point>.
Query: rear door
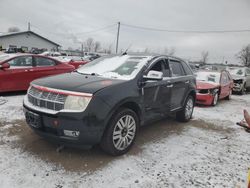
<point>248,78</point>
<point>179,84</point>
<point>18,76</point>
<point>225,85</point>
<point>45,67</point>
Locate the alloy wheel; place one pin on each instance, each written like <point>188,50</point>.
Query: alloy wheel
<point>189,108</point>
<point>124,132</point>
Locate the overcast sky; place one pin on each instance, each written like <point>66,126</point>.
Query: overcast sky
<point>66,22</point>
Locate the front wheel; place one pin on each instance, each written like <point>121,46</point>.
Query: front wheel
<point>186,113</point>
<point>120,133</point>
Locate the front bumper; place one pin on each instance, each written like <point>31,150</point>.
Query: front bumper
<point>54,127</point>
<point>205,99</point>
<point>237,87</point>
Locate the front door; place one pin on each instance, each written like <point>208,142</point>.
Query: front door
<point>18,76</point>
<point>156,94</point>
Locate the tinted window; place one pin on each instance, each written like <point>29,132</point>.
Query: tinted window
<point>41,62</point>
<point>177,69</point>
<point>158,66</point>
<point>187,69</point>
<point>24,61</point>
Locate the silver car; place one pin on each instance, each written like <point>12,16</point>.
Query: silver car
<point>241,77</point>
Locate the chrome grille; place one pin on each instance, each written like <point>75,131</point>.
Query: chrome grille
<point>45,99</point>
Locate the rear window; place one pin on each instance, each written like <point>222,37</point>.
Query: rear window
<point>177,69</point>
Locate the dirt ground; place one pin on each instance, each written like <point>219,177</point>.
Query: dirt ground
<point>74,159</point>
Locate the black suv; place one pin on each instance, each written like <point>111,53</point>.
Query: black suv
<point>106,100</point>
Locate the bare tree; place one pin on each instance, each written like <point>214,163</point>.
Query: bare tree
<point>244,55</point>
<point>204,57</point>
<point>13,29</point>
<point>97,46</point>
<point>89,44</point>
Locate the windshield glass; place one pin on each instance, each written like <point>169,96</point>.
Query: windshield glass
<point>124,67</point>
<point>239,72</point>
<point>208,77</point>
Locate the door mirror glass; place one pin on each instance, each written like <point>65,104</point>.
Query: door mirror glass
<point>5,66</point>
<point>154,75</point>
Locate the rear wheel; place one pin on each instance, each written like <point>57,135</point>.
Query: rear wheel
<point>186,113</point>
<point>120,133</point>
<point>215,99</point>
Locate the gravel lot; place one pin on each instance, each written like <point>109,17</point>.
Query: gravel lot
<point>209,151</point>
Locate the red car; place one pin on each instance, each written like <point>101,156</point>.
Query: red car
<point>18,70</point>
<point>212,86</point>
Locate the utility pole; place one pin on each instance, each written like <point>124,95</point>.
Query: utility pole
<point>28,26</point>
<point>82,49</point>
<point>117,39</point>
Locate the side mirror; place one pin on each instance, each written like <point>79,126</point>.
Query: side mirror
<point>153,75</point>
<point>5,66</point>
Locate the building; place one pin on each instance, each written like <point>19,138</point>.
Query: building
<point>27,40</point>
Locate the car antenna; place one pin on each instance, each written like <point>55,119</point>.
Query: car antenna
<point>125,53</point>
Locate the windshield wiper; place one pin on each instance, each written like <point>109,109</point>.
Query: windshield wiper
<point>92,74</point>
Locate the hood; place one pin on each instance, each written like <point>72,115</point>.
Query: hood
<point>237,77</point>
<point>77,82</point>
<point>206,85</point>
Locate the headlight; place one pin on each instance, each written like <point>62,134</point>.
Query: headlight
<point>76,103</point>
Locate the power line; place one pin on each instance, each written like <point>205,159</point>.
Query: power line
<point>96,30</point>
<point>185,31</point>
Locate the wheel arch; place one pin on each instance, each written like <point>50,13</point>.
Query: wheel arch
<point>130,104</point>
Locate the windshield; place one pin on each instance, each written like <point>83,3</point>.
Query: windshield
<point>239,72</point>
<point>208,77</point>
<point>124,67</point>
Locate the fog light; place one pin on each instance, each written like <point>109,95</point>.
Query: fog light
<point>71,133</point>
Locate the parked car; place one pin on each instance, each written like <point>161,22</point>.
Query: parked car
<point>17,71</point>
<point>106,100</point>
<point>12,50</point>
<point>241,78</point>
<point>76,61</point>
<point>212,86</point>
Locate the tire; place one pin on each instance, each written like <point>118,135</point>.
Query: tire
<point>215,99</point>
<point>120,134</point>
<point>229,95</point>
<point>186,113</point>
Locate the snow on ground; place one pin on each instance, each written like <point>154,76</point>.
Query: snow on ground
<point>209,151</point>
<point>12,108</point>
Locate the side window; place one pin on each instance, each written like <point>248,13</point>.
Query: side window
<point>20,62</point>
<point>187,69</point>
<point>44,62</point>
<point>158,66</point>
<point>176,68</point>
<point>248,72</point>
<point>224,78</point>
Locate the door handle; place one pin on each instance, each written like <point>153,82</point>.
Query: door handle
<point>187,82</point>
<point>170,85</point>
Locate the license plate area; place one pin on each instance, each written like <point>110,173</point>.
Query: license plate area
<point>33,119</point>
